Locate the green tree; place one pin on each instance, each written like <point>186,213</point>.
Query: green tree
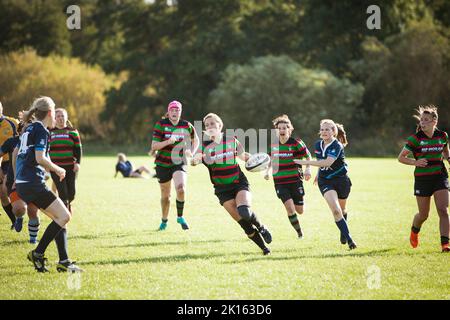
<point>251,95</point>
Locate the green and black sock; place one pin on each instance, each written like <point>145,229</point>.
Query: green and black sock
<point>180,207</point>
<point>294,221</point>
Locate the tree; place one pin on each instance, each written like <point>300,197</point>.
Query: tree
<point>251,95</point>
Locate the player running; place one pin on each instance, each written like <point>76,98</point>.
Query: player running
<point>8,129</point>
<point>19,207</point>
<point>65,151</point>
<point>428,146</point>
<point>287,175</point>
<point>32,161</point>
<point>174,139</point>
<point>332,178</point>
<point>230,184</point>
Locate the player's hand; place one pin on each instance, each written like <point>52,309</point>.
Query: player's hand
<point>307,174</point>
<point>196,159</point>
<point>76,167</point>
<point>266,176</point>
<point>421,163</point>
<point>61,173</point>
<point>172,140</point>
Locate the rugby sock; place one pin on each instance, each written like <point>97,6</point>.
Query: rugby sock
<point>248,229</point>
<point>33,229</point>
<point>342,225</point>
<point>256,238</point>
<point>48,236</point>
<point>255,221</point>
<point>444,240</point>
<point>164,220</point>
<point>415,230</point>
<point>180,207</point>
<point>61,244</point>
<point>9,212</point>
<point>294,221</point>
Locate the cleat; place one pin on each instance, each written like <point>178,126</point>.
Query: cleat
<point>162,226</point>
<point>265,234</point>
<point>68,266</point>
<point>445,248</point>
<point>38,260</point>
<point>12,226</point>
<point>300,234</point>
<point>343,239</point>
<point>352,246</point>
<point>183,223</point>
<point>18,224</point>
<point>266,251</point>
<point>414,239</point>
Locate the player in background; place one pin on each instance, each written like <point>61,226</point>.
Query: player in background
<point>31,162</point>
<point>125,167</point>
<point>287,175</point>
<point>429,147</point>
<point>174,139</point>
<point>332,178</point>
<point>19,207</point>
<point>230,184</point>
<point>8,129</point>
<point>66,152</point>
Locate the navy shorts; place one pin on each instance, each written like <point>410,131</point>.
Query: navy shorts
<point>292,191</point>
<point>165,174</point>
<point>426,187</point>
<point>38,194</point>
<point>341,185</point>
<point>229,191</point>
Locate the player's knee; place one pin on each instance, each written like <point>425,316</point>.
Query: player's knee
<point>442,212</point>
<point>244,212</point>
<point>181,189</point>
<point>165,198</point>
<point>424,215</point>
<point>299,209</point>
<point>19,210</point>
<point>337,212</point>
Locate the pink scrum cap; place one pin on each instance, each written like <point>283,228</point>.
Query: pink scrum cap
<point>174,104</point>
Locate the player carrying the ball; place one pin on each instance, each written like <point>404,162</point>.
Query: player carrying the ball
<point>429,146</point>
<point>287,175</point>
<point>230,184</point>
<point>334,183</point>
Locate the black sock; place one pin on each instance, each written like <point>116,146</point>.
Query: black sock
<point>180,207</point>
<point>255,221</point>
<point>61,244</point>
<point>164,220</point>
<point>9,212</point>
<point>256,238</point>
<point>415,230</point>
<point>342,225</point>
<point>444,240</point>
<point>49,235</point>
<point>345,216</point>
<point>294,221</point>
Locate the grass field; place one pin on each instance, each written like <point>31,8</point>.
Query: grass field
<point>113,237</point>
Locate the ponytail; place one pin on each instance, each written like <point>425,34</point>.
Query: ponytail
<point>341,135</point>
<point>29,115</point>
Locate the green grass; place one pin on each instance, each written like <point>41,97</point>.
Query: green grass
<point>112,236</point>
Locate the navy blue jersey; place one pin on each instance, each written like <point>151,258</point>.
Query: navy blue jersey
<point>8,148</point>
<point>35,138</point>
<point>124,168</point>
<point>336,151</point>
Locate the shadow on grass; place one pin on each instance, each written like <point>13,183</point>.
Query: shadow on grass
<point>164,259</point>
<point>274,256</point>
<point>101,235</point>
<point>167,243</point>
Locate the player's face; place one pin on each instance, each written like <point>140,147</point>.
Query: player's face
<point>427,122</point>
<point>212,127</point>
<point>283,131</point>
<point>326,131</point>
<point>174,114</point>
<point>61,119</point>
<point>52,120</point>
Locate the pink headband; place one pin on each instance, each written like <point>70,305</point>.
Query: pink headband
<point>174,104</point>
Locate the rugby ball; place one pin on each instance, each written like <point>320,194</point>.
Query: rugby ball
<point>258,162</point>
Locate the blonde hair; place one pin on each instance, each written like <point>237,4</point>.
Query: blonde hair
<point>428,109</point>
<point>215,117</point>
<point>121,156</point>
<point>338,130</point>
<point>68,123</point>
<point>39,109</point>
